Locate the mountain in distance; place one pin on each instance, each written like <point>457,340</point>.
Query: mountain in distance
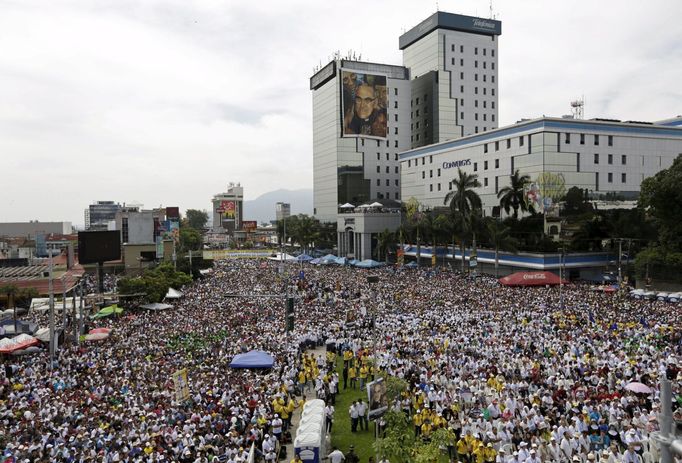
<point>262,208</point>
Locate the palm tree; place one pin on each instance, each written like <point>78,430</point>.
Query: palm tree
<point>499,238</point>
<point>512,196</point>
<point>384,241</point>
<point>463,200</point>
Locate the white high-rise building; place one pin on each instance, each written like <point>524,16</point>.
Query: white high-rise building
<point>361,122</point>
<point>453,64</point>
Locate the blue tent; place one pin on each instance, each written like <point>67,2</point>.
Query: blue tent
<point>411,265</point>
<point>368,263</point>
<point>253,359</point>
<point>304,258</point>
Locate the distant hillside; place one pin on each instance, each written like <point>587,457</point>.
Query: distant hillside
<point>262,208</point>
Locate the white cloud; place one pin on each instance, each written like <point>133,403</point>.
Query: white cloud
<point>167,101</point>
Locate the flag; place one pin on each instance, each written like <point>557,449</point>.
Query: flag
<point>643,322</point>
<point>613,327</point>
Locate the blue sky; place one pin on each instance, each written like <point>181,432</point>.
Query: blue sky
<point>165,102</point>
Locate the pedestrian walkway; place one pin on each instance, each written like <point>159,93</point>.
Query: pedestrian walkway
<point>296,417</point>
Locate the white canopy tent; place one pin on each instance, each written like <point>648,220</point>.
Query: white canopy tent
<point>173,294</point>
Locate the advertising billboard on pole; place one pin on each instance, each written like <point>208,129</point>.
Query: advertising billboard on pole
<point>364,99</point>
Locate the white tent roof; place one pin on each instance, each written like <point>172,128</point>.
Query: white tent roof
<point>173,294</point>
<point>346,206</point>
<point>156,306</point>
<point>287,257</point>
<point>43,334</point>
<point>376,204</point>
<point>308,439</point>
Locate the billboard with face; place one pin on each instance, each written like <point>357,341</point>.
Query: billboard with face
<point>364,99</point>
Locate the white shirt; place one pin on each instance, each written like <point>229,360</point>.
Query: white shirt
<point>336,456</point>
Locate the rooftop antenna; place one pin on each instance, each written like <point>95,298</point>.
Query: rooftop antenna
<point>578,108</point>
<point>492,16</point>
<point>437,6</point>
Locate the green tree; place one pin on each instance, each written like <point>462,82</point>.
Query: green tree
<point>576,202</point>
<point>154,283</point>
<point>190,239</point>
<point>385,240</point>
<point>462,200</point>
<point>661,197</point>
<point>303,229</point>
<point>196,219</point>
<point>591,234</point>
<point>10,291</point>
<point>512,196</point>
<point>500,239</point>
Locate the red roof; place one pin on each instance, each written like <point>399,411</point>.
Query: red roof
<point>531,279</point>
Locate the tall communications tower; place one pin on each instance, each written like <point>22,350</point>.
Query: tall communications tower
<point>578,108</point>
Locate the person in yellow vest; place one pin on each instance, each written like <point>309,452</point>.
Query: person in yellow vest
<point>418,420</point>
<point>478,454</point>
<point>301,381</point>
<point>353,376</point>
<point>347,357</point>
<point>426,429</point>
<point>462,450</point>
<point>489,454</point>
<point>364,371</point>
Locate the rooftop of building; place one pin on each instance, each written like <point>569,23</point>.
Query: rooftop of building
<point>547,123</point>
<point>450,21</point>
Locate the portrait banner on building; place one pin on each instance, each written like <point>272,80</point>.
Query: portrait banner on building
<point>364,103</point>
<point>376,396</point>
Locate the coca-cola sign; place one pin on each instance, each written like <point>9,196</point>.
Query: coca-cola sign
<point>534,276</point>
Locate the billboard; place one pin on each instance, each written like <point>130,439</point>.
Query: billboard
<point>99,246</point>
<point>376,396</point>
<point>226,208</point>
<point>364,99</point>
<point>249,225</point>
<point>220,254</point>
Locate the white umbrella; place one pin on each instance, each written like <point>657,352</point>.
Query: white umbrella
<point>346,206</point>
<point>376,204</point>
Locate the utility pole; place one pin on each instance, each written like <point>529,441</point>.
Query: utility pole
<point>561,276</point>
<point>52,340</point>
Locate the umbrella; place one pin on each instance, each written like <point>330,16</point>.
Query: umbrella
<point>376,204</point>
<point>100,330</point>
<point>639,388</point>
<point>346,206</point>
<point>96,336</point>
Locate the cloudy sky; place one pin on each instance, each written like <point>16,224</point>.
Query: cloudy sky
<point>164,102</point>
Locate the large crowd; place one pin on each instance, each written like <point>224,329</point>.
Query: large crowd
<point>512,374</point>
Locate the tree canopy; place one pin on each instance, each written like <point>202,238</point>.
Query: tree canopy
<point>154,283</point>
<point>196,219</point>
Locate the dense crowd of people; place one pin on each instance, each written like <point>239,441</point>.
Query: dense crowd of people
<point>509,373</point>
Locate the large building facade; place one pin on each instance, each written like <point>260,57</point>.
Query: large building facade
<point>99,214</point>
<point>228,209</point>
<point>603,157</point>
<point>453,63</point>
<point>355,158</point>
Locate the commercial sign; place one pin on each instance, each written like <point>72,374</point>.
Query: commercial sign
<point>249,225</point>
<point>364,99</point>
<point>227,208</point>
<point>453,164</point>
<point>323,75</point>
<point>220,254</point>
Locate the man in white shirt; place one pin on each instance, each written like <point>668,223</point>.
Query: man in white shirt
<point>336,456</point>
<point>353,412</point>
